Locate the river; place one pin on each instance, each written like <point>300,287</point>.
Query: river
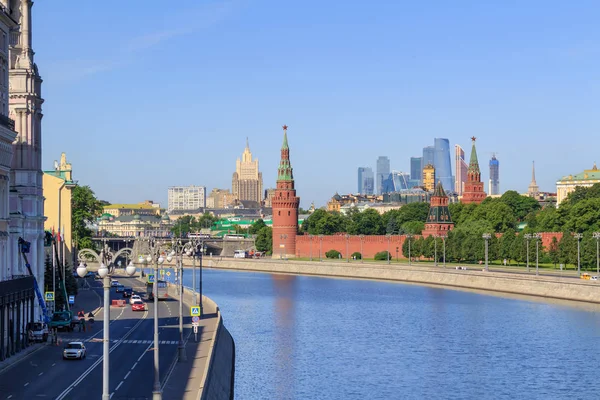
<point>320,338</point>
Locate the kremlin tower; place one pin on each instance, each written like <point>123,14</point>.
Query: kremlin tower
<point>473,193</point>
<point>439,222</point>
<point>285,206</point>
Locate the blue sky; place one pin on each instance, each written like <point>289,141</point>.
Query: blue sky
<point>142,95</point>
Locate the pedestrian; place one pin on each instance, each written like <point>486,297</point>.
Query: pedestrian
<point>91,318</point>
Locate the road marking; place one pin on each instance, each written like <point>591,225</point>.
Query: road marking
<point>40,374</point>
<point>9,396</point>
<point>27,384</point>
<point>126,376</point>
<point>134,365</point>
<point>97,362</point>
<point>118,386</point>
<point>53,364</point>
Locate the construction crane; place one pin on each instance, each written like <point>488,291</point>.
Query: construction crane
<point>24,247</point>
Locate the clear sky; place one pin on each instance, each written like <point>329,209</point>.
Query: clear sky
<point>142,95</point>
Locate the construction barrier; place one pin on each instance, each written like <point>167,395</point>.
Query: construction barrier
<point>118,303</point>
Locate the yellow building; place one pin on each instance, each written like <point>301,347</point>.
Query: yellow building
<point>568,183</point>
<point>147,207</point>
<point>429,177</point>
<point>57,186</point>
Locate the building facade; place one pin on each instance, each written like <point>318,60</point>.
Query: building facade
<point>135,225</point>
<point>269,193</point>
<point>473,192</point>
<point>416,169</point>
<point>147,207</point>
<point>429,176</point>
<point>186,198</point>
<point>439,221</point>
<point>366,180</point>
<point>285,206</point>
<point>220,198</point>
<point>567,184</point>
<point>383,171</point>
<point>443,163</point>
<point>460,170</point>
<point>494,185</point>
<point>396,181</point>
<point>247,181</point>
<point>58,186</point>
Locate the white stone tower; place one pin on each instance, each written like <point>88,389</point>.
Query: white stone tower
<point>25,108</point>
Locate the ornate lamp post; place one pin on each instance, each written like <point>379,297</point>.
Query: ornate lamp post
<point>597,237</point>
<point>444,243</point>
<point>537,237</point>
<point>106,259</point>
<point>578,236</point>
<point>347,249</point>
<point>389,238</point>
<point>527,239</point>
<point>321,248</point>
<point>487,237</point>
<point>361,247</point>
<point>435,249</point>
<point>177,250</point>
<point>310,238</point>
<point>408,237</point>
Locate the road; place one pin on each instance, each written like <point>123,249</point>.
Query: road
<point>44,374</point>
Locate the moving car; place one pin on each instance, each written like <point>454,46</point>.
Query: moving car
<point>134,298</point>
<point>74,350</point>
<point>114,283</point>
<point>120,288</point>
<point>139,305</point>
<point>127,292</point>
<point>37,331</point>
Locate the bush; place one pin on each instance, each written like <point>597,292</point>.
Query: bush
<point>333,254</point>
<point>383,255</point>
<point>356,256</point>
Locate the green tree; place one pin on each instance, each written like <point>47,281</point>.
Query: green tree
<point>567,247</point>
<point>264,240</point>
<point>310,224</point>
<point>330,224</point>
<point>497,213</point>
<point>205,221</point>
<point>256,226</point>
<point>582,193</point>
<point>427,247</point>
<point>392,227</point>
<point>553,251</point>
<point>413,227</point>
<point>584,216</point>
<point>520,205</point>
<point>184,225</point>
<point>333,254</point>
<point>86,209</point>
<point>505,245</point>
<point>413,212</point>
<point>547,219</point>
<point>368,222</point>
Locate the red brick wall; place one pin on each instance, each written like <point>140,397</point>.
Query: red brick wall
<point>370,245</point>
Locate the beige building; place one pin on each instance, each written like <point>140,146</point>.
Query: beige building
<point>429,177</point>
<point>247,182</point>
<point>147,207</point>
<point>220,198</point>
<point>135,225</point>
<point>568,183</point>
<point>58,185</point>
<point>269,193</point>
<point>183,198</point>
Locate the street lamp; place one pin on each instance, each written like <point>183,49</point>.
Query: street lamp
<point>347,250</point>
<point>444,243</point>
<point>408,237</point>
<point>177,250</point>
<point>597,237</point>
<point>361,247</point>
<point>389,238</point>
<point>537,237</point>
<point>487,237</point>
<point>435,249</point>
<point>397,254</point>
<point>310,238</point>
<point>320,248</point>
<point>527,239</point>
<point>578,236</point>
<point>106,259</point>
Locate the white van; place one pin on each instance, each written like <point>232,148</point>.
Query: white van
<point>239,254</point>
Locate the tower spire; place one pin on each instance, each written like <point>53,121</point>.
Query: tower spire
<point>285,167</point>
<point>533,188</point>
<point>247,143</point>
<point>533,173</point>
<point>474,162</point>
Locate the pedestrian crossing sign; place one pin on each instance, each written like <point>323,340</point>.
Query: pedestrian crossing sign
<point>150,278</point>
<point>49,296</point>
<point>195,311</point>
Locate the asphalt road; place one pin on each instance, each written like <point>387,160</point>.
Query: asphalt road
<point>44,374</point>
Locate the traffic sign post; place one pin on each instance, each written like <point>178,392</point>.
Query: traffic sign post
<point>150,278</point>
<point>195,311</point>
<point>71,299</point>
<point>49,296</point>
<point>195,320</point>
<point>195,333</point>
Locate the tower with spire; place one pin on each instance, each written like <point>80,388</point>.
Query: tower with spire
<point>533,190</point>
<point>473,193</point>
<point>439,222</point>
<point>285,206</point>
<point>246,182</point>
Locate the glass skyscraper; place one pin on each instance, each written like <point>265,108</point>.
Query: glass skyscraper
<point>416,168</point>
<point>366,180</point>
<point>443,163</point>
<point>428,157</point>
<point>395,182</point>
<point>460,169</point>
<point>383,171</point>
<point>494,188</point>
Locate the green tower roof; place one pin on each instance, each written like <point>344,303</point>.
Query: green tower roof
<point>285,172</point>
<point>474,162</point>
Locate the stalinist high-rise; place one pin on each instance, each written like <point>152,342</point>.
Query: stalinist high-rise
<point>247,182</point>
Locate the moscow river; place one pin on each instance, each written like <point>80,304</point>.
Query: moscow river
<point>320,338</point>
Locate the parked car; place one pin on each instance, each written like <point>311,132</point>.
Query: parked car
<point>37,331</point>
<point>139,305</point>
<point>127,292</point>
<point>74,350</point>
<point>134,298</point>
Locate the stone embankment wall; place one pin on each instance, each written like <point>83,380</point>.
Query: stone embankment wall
<point>219,376</point>
<point>542,286</point>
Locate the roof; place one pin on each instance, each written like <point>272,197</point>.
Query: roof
<point>439,190</point>
<point>131,206</point>
<point>474,162</point>
<point>587,175</point>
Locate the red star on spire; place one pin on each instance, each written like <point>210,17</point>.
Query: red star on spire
<point>473,138</point>
<point>285,127</point>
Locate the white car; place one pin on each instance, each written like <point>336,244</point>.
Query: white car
<point>594,278</point>
<point>74,350</point>
<point>133,298</point>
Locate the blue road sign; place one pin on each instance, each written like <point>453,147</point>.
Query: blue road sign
<point>150,278</point>
<point>71,299</point>
<point>195,319</point>
<point>49,296</point>
<point>195,311</point>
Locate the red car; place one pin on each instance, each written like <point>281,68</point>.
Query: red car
<point>139,305</point>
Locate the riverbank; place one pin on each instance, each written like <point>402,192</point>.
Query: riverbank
<point>566,288</point>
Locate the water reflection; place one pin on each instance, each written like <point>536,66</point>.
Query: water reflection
<point>285,334</point>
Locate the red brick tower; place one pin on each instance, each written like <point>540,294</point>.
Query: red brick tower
<point>285,206</point>
<point>473,192</point>
<point>438,221</point>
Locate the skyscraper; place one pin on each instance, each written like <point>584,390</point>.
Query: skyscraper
<point>366,180</point>
<point>247,182</point>
<point>416,169</point>
<point>396,181</point>
<point>383,171</point>
<point>443,163</point>
<point>494,188</point>
<point>429,177</point>
<point>428,156</point>
<point>460,169</point>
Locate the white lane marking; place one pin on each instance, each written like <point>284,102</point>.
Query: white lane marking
<point>134,365</point>
<point>40,374</point>
<point>127,375</point>
<point>97,362</point>
<point>118,386</point>
<point>9,396</point>
<point>111,395</point>
<point>53,364</point>
<point>25,385</point>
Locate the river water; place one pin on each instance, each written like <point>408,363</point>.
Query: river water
<point>321,338</point>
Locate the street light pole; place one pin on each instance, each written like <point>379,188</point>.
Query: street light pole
<point>487,237</point>
<point>389,238</point>
<point>177,250</point>
<point>361,248</point>
<point>321,248</point>
<point>597,237</point>
<point>578,236</point>
<point>310,238</point>
<point>158,259</point>
<point>527,238</point>
<point>435,250</point>
<point>444,243</point>
<point>537,255</point>
<point>408,238</point>
<point>347,249</point>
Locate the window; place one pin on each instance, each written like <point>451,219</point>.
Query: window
<point>279,213</point>
<point>289,213</point>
